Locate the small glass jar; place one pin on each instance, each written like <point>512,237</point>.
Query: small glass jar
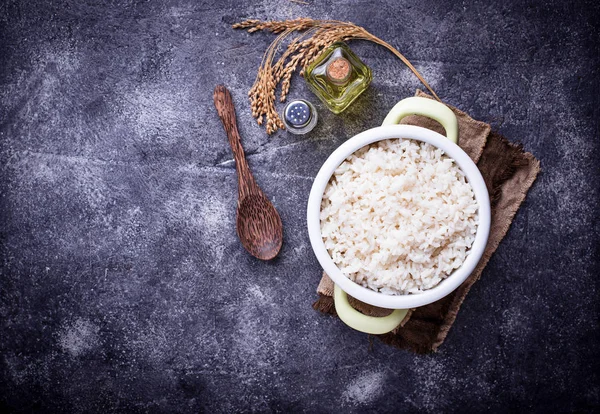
<point>338,77</point>
<point>299,117</point>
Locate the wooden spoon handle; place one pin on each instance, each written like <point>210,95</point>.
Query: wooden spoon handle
<point>226,110</point>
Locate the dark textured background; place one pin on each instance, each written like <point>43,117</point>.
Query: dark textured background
<point>124,288</point>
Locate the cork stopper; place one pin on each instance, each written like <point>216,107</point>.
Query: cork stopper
<point>338,70</point>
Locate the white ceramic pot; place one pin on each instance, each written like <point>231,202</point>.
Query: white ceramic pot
<point>390,129</point>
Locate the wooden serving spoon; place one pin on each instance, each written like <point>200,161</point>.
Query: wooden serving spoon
<point>258,223</point>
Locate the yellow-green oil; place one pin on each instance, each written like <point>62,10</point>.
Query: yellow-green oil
<point>335,95</point>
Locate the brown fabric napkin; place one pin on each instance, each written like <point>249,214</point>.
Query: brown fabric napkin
<point>508,172</point>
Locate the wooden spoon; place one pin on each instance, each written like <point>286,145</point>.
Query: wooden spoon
<point>258,223</point>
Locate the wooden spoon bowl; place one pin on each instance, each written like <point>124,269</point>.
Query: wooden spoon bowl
<point>258,224</point>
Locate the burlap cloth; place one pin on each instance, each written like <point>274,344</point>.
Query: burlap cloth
<point>508,172</point>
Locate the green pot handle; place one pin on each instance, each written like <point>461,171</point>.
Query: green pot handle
<point>361,322</point>
<point>427,107</point>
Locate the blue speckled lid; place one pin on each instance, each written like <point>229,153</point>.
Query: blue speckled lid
<point>298,114</point>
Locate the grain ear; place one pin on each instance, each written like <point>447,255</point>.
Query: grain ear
<point>311,38</point>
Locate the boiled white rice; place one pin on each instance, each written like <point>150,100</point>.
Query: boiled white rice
<point>398,216</point>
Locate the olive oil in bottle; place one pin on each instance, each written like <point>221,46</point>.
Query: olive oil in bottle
<point>338,77</point>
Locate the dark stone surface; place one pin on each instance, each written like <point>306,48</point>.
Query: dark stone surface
<point>124,288</point>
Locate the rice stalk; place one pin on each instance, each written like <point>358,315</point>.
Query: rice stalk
<point>311,37</point>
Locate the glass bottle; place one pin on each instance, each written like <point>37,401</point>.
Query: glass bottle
<point>338,77</point>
